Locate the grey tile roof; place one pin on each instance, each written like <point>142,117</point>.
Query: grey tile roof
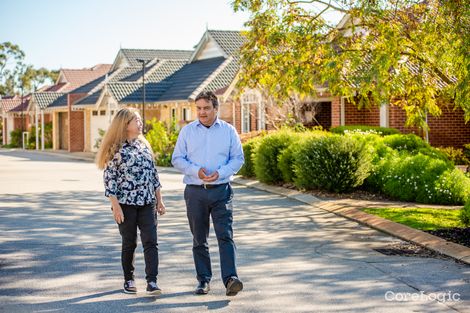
<point>189,78</point>
<point>130,73</point>
<point>229,40</point>
<point>149,54</point>
<point>225,77</point>
<point>174,87</point>
<point>47,99</point>
<point>165,69</point>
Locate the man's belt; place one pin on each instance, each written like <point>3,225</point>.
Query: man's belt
<point>208,186</point>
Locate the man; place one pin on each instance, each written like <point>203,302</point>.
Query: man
<point>208,152</point>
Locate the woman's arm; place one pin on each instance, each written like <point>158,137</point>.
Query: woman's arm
<point>117,210</point>
<point>161,209</point>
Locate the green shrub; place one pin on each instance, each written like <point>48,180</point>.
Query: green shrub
<point>455,155</point>
<point>382,131</point>
<point>162,139</point>
<point>32,138</point>
<point>98,140</point>
<point>48,135</point>
<point>452,187</point>
<point>249,151</point>
<point>409,142</point>
<point>286,157</point>
<point>15,138</point>
<point>413,144</point>
<point>336,163</point>
<point>412,177</point>
<point>266,158</point>
<point>465,214</point>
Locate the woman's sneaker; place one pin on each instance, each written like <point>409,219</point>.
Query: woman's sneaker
<point>153,289</point>
<point>129,287</point>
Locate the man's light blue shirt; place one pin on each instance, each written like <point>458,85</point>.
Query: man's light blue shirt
<point>217,148</point>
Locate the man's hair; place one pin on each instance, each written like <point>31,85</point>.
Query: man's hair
<point>209,96</point>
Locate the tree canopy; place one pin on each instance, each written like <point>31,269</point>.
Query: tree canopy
<point>404,52</point>
<point>15,76</point>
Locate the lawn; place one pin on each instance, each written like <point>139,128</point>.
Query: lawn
<point>420,218</point>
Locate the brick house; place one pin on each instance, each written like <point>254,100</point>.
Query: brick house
<point>172,81</point>
<point>14,116</point>
<point>67,125</point>
<point>448,129</point>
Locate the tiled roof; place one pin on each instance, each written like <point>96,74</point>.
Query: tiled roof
<point>225,77</point>
<point>189,78</point>
<point>49,99</point>
<point>121,85</point>
<point>149,54</point>
<point>77,78</point>
<point>165,69</point>
<point>229,40</point>
<point>56,87</point>
<point>14,104</point>
<point>178,86</point>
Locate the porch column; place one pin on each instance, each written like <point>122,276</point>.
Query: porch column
<point>36,115</point>
<point>42,130</point>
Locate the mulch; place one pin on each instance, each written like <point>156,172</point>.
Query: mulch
<point>457,235</point>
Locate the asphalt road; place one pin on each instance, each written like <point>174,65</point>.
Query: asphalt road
<point>60,252</point>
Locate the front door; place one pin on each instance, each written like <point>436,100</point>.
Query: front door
<point>63,131</point>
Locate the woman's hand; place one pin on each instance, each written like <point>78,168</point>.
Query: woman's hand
<point>161,209</point>
<point>117,213</point>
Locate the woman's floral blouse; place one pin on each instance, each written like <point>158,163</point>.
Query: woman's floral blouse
<point>131,175</point>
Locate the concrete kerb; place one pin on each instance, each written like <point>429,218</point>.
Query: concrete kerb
<point>350,209</point>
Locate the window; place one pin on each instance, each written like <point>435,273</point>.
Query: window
<point>95,113</point>
<point>249,98</point>
<point>186,114</point>
<point>173,113</point>
<point>246,120</point>
<point>102,112</point>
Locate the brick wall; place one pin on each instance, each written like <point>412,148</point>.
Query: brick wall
<point>336,112</point>
<point>397,119</point>
<point>76,125</point>
<point>449,129</point>
<point>21,122</point>
<point>363,116</point>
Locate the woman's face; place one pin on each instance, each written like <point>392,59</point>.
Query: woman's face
<point>134,128</point>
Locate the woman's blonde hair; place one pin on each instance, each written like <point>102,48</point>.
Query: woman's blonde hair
<point>116,135</point>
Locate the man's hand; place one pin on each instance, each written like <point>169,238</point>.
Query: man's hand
<point>211,178</point>
<point>202,173</point>
<point>117,213</point>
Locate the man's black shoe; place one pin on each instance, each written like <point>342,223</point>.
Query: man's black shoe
<point>202,288</point>
<point>234,286</point>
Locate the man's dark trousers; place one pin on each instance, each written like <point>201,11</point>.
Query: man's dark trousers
<point>215,201</point>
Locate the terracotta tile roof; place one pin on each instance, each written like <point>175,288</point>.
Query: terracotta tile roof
<point>13,104</point>
<point>77,78</point>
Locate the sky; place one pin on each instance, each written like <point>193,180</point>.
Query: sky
<point>82,33</point>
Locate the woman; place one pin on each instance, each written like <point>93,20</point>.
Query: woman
<point>133,187</point>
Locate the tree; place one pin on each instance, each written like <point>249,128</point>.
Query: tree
<point>405,52</point>
<point>33,78</point>
<point>17,77</point>
<point>11,64</point>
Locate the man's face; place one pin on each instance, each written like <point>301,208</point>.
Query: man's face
<point>206,113</point>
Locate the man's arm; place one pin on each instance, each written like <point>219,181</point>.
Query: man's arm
<point>236,158</point>
<point>180,156</point>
